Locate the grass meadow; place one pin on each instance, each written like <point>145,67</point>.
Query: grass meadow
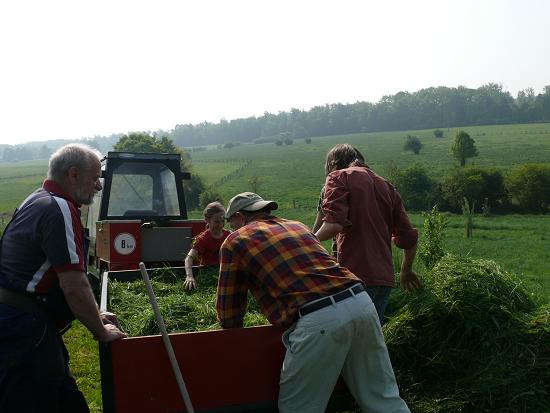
<point>293,176</point>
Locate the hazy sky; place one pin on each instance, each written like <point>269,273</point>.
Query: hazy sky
<point>75,68</point>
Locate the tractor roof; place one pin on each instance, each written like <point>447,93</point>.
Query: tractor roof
<point>144,156</point>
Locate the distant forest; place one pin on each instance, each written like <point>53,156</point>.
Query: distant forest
<point>435,107</point>
<point>439,107</point>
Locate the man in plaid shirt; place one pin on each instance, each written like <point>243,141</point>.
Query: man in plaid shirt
<point>331,324</point>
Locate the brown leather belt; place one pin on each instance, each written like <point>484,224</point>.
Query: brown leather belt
<point>22,302</point>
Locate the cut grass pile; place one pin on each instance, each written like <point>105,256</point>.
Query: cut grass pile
<point>471,341</point>
<point>182,310</point>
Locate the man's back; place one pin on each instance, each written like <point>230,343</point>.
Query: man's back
<point>371,212</point>
<point>284,266</point>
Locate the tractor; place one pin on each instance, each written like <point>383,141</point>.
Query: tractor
<point>140,216</point>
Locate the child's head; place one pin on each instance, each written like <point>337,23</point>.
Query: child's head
<point>214,215</point>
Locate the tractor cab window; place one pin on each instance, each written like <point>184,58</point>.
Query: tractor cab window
<point>143,189</point>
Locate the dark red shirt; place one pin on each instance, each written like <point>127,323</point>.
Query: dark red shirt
<point>208,247</point>
<point>372,214</point>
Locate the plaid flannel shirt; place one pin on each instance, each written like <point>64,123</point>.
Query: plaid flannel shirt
<point>282,264</point>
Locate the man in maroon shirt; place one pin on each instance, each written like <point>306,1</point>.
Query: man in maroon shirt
<point>365,213</point>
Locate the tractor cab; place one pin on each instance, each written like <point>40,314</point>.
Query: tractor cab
<point>140,215</point>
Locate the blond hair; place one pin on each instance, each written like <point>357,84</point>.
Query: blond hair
<point>212,209</point>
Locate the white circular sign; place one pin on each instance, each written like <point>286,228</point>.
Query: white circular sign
<point>125,243</point>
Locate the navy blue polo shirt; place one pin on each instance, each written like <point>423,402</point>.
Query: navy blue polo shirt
<point>44,238</point>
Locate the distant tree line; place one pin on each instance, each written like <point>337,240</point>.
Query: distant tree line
<point>439,107</point>
<point>436,107</point>
<point>41,150</point>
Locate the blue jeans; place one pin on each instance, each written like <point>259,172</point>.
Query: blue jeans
<point>34,372</point>
<point>380,294</point>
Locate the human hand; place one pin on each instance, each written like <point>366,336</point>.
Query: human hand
<point>110,333</point>
<point>189,283</point>
<point>109,318</point>
<point>409,280</point>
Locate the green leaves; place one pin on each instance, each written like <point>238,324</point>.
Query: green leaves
<point>431,240</point>
<point>463,147</point>
<point>530,185</point>
<point>413,144</point>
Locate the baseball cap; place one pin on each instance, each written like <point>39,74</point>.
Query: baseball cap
<point>247,201</point>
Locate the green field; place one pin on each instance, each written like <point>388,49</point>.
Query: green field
<point>295,172</point>
<point>293,175</point>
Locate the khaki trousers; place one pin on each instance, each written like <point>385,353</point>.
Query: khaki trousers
<point>345,338</point>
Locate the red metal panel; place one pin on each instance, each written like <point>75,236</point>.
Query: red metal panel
<point>221,368</point>
<point>130,256</point>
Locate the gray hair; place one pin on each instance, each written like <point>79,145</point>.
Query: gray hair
<point>74,154</point>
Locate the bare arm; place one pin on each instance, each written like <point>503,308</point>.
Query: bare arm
<point>190,282</point>
<point>79,296</point>
<point>328,230</point>
<point>409,280</point>
<point>318,221</point>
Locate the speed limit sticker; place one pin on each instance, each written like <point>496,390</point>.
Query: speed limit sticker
<point>125,243</point>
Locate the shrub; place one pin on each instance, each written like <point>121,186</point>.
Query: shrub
<point>278,142</point>
<point>431,249</point>
<point>412,143</point>
<point>530,186</point>
<point>307,140</point>
<point>475,184</point>
<point>289,141</point>
<point>438,133</point>
<point>417,189</point>
<point>209,196</point>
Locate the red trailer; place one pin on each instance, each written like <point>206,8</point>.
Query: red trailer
<point>141,216</point>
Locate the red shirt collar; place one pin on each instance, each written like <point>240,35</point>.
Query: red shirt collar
<point>53,187</point>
